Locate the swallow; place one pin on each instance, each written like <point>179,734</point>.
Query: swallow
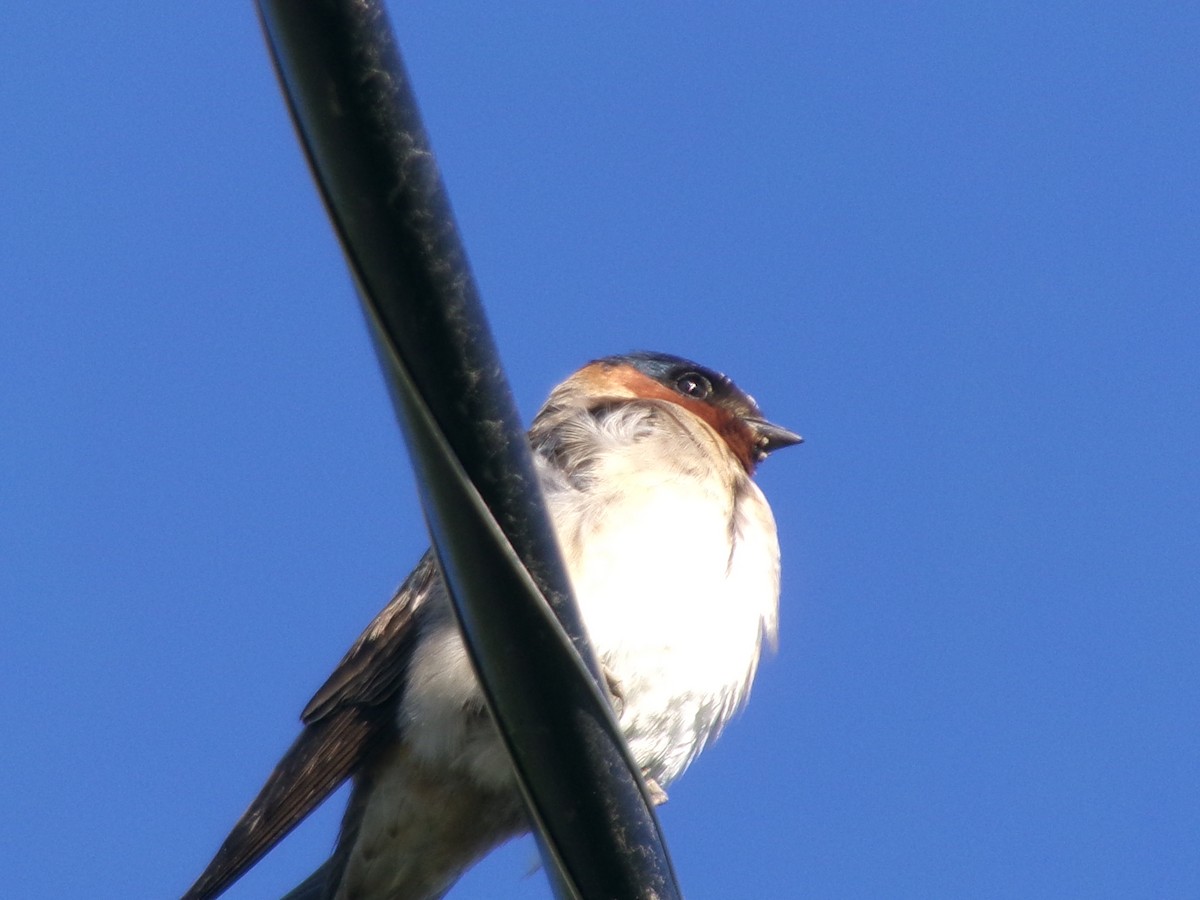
<point>645,460</point>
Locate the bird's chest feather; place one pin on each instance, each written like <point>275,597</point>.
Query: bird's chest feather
<point>675,570</point>
<point>674,560</point>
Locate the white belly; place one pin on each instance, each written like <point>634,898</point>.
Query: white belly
<point>675,587</point>
<point>677,577</point>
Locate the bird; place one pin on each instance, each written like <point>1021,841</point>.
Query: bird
<point>645,460</point>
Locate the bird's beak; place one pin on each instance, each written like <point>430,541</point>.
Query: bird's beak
<point>772,437</point>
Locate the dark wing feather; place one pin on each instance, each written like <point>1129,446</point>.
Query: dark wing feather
<point>351,716</point>
<point>373,670</point>
<point>322,758</point>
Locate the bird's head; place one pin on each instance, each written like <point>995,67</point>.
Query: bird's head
<point>707,394</point>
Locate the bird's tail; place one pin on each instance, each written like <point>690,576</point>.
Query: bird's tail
<point>316,886</point>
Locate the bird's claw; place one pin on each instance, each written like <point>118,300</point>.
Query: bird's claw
<point>657,795</point>
<point>615,692</point>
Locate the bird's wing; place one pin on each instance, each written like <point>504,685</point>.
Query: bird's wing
<point>373,670</point>
<point>348,718</point>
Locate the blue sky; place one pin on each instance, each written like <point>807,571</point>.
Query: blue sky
<point>956,246</point>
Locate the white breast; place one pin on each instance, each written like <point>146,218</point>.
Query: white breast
<point>674,559</point>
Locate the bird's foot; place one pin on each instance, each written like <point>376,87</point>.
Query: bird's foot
<point>657,795</point>
<point>616,693</point>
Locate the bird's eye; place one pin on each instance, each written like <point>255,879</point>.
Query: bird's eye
<point>693,384</point>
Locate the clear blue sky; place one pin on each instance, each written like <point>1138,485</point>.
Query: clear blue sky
<point>956,246</point>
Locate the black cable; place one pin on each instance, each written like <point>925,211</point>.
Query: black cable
<point>358,120</point>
